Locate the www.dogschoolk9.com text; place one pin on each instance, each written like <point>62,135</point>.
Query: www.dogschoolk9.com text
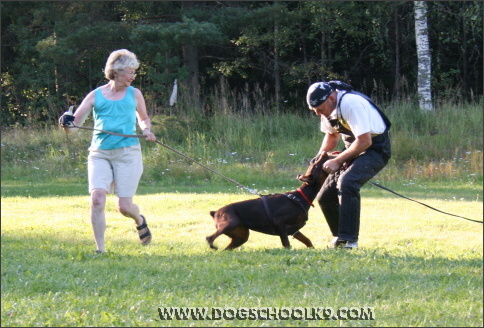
<point>266,313</point>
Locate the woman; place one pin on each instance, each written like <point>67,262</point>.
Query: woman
<point>114,162</point>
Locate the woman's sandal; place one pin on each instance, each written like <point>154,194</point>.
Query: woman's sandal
<point>147,235</point>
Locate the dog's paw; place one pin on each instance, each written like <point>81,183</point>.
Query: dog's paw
<point>210,243</point>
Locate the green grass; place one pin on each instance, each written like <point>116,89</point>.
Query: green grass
<point>415,266</point>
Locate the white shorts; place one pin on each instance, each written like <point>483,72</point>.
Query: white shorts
<point>115,170</point>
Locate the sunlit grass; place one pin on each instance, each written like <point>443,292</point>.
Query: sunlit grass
<point>415,266</point>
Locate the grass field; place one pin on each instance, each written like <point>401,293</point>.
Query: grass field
<point>415,266</point>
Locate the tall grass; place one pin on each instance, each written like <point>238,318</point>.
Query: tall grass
<point>449,132</point>
<point>269,149</point>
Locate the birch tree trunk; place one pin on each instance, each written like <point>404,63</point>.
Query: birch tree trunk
<point>423,54</point>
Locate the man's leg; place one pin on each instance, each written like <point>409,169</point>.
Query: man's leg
<point>328,201</point>
<point>362,169</point>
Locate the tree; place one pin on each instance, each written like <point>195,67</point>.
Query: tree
<point>263,54</point>
<point>424,58</point>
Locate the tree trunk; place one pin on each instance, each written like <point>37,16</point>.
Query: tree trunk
<point>397,55</point>
<point>190,59</point>
<point>56,72</point>
<point>277,77</point>
<point>323,51</point>
<point>465,57</point>
<point>423,54</point>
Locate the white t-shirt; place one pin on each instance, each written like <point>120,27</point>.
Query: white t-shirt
<point>360,116</point>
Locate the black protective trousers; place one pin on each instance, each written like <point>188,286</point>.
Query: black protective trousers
<point>339,197</point>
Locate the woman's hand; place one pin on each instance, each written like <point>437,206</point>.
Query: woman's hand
<point>149,136</point>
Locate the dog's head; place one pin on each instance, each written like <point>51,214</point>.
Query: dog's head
<point>315,172</point>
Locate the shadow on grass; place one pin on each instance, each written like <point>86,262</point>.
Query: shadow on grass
<point>48,276</point>
<point>433,190</point>
<point>60,188</point>
<point>43,264</point>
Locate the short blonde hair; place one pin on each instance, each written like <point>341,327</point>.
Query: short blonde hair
<point>118,61</point>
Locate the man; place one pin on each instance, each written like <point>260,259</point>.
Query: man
<point>364,130</point>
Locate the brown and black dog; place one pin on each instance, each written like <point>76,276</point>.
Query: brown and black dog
<point>277,214</point>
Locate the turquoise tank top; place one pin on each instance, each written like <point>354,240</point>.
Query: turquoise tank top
<point>117,116</point>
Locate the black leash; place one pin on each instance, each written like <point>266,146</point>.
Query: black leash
<point>252,191</point>
<point>413,200</point>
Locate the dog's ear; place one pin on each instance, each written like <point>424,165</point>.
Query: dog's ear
<point>320,157</point>
<point>324,157</point>
<point>212,213</point>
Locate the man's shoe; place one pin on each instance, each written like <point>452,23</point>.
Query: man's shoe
<point>351,244</point>
<point>337,243</point>
<point>340,243</point>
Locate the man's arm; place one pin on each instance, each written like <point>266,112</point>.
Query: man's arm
<point>362,143</point>
<point>330,141</point>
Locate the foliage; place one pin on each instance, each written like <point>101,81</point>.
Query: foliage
<point>53,52</point>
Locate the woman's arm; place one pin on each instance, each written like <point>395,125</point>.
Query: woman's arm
<point>82,112</point>
<point>142,114</point>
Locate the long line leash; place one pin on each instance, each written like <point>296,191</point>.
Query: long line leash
<point>413,200</point>
<point>252,191</point>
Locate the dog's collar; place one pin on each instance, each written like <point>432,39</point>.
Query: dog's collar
<point>304,196</point>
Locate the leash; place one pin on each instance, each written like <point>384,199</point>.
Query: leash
<point>413,200</point>
<point>252,191</point>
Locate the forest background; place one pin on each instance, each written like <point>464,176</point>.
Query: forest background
<point>260,56</point>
